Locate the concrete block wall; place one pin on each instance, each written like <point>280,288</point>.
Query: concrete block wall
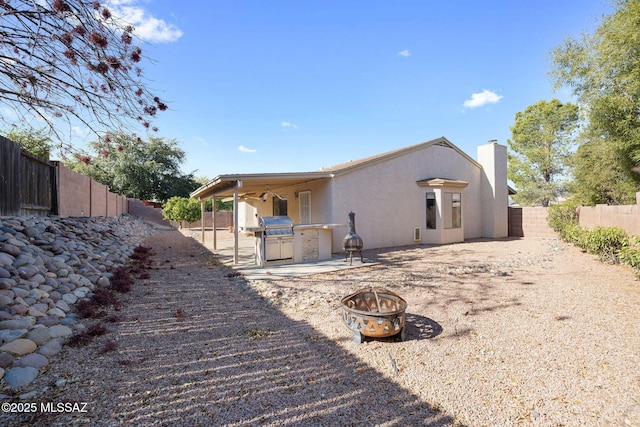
<point>79,195</point>
<point>99,194</point>
<point>73,191</point>
<point>626,217</point>
<point>529,222</point>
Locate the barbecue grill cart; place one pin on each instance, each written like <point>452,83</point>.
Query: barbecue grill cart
<point>274,240</point>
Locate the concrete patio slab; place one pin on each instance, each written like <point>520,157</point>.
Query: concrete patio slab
<point>246,258</point>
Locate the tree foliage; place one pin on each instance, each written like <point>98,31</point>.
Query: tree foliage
<point>604,72</point>
<point>72,59</point>
<point>35,141</point>
<point>542,138</point>
<point>147,170</point>
<point>181,209</point>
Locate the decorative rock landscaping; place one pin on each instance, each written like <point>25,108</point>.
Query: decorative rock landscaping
<point>47,265</point>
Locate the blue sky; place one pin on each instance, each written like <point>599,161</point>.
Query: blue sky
<point>287,86</point>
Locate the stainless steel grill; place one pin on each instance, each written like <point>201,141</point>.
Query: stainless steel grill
<point>277,237</point>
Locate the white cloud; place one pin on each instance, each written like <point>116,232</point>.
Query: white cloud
<point>288,125</point>
<point>404,53</point>
<point>246,150</point>
<point>147,27</point>
<point>482,98</point>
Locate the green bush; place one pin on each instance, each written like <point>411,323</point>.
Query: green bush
<point>630,253</point>
<point>561,215</point>
<point>611,244</point>
<point>606,242</point>
<point>181,209</point>
<point>574,234</point>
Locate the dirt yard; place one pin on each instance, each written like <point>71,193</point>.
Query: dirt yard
<point>499,333</point>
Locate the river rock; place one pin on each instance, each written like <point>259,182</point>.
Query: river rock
<point>48,321</point>
<point>19,377</point>
<point>56,312</point>
<point>5,360</point>
<point>52,347</point>
<point>15,324</point>
<point>39,335</point>
<point>8,335</point>
<point>10,249</point>
<point>57,331</point>
<point>19,347</point>
<point>34,360</point>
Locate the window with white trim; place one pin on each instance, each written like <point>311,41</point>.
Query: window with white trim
<point>304,199</point>
<point>452,203</point>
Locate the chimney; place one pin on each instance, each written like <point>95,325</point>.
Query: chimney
<point>495,194</point>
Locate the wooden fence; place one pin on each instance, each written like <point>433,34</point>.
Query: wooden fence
<point>27,182</point>
<point>33,186</point>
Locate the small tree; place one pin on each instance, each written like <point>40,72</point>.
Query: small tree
<point>542,137</point>
<point>181,209</point>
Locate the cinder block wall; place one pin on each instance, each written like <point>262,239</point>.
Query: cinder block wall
<point>73,193</point>
<point>98,199</point>
<point>529,222</point>
<point>626,217</point>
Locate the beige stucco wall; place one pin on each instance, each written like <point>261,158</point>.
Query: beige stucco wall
<point>249,210</point>
<point>388,202</point>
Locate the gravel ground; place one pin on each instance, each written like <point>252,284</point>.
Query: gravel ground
<point>499,333</point>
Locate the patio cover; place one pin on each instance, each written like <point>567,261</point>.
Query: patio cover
<point>237,185</point>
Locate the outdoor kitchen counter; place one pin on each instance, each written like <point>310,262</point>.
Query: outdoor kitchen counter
<point>312,242</point>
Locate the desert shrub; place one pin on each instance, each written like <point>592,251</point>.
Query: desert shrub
<point>561,215</point>
<point>573,233</point>
<point>630,253</point>
<point>121,280</point>
<point>606,242</point>
<point>85,337</point>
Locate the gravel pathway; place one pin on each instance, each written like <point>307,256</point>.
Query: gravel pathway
<point>502,333</point>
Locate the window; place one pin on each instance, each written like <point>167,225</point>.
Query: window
<point>452,210</point>
<point>279,206</point>
<point>304,198</point>
<point>431,211</point>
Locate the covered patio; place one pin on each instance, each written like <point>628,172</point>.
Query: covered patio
<point>242,260</point>
<point>248,187</point>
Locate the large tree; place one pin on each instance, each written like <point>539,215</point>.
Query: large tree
<point>73,60</point>
<point>603,69</point>
<point>147,170</point>
<point>541,142</point>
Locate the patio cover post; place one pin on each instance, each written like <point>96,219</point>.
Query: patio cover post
<point>202,219</point>
<point>235,221</point>
<point>213,222</point>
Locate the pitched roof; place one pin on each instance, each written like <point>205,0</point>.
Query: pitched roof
<point>356,164</point>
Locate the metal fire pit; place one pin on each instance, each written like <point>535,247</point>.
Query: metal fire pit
<point>374,312</point>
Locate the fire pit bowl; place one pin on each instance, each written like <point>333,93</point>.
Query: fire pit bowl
<point>374,312</point>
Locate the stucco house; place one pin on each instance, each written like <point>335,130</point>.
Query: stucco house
<point>429,193</point>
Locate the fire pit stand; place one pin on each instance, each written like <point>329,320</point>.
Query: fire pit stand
<point>374,312</point>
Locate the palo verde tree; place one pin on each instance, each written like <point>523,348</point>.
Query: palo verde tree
<point>147,170</point>
<point>73,60</point>
<point>541,142</point>
<point>603,70</point>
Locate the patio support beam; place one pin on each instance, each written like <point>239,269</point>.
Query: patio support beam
<point>202,219</point>
<point>213,223</point>
<point>235,221</point>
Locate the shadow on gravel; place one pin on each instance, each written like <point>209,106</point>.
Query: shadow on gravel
<point>421,328</point>
<point>201,348</point>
